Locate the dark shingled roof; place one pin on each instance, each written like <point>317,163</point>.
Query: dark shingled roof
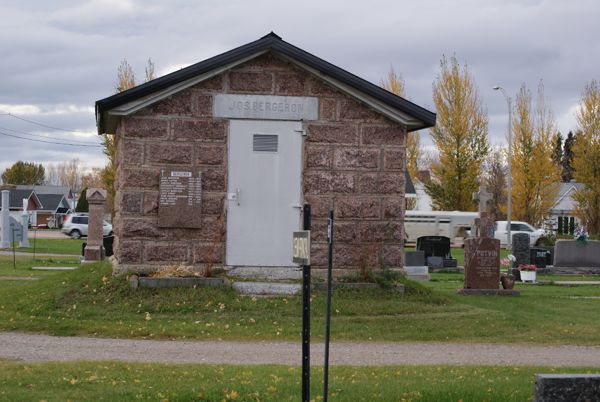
<point>52,202</point>
<point>15,198</point>
<point>273,43</point>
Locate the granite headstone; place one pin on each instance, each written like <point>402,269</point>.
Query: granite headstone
<point>520,248</point>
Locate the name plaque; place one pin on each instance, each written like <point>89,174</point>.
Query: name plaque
<point>180,198</point>
<point>266,107</point>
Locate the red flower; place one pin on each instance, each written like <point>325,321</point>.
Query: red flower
<point>527,267</point>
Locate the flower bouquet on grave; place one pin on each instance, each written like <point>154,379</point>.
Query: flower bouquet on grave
<point>580,235</point>
<point>508,280</point>
<point>527,272</point>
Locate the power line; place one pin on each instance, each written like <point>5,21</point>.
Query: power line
<point>45,137</point>
<point>42,124</point>
<point>49,142</point>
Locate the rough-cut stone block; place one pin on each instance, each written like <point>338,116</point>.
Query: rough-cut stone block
<point>383,135</point>
<point>129,252</point>
<point>352,158</point>
<point>150,203</point>
<point>260,82</point>
<point>210,154</point>
<point>345,232</point>
<point>318,231</point>
<point>132,153</point>
<point>394,160</point>
<point>141,228</point>
<point>318,254</point>
<point>266,61</point>
<point>203,105</point>
<point>199,130</point>
<point>357,208</point>
<point>393,207</point>
<point>380,231</point>
<point>353,110</point>
<point>382,183</point>
<point>145,128</point>
<point>166,253</point>
<point>131,203</point>
<point>333,133</point>
<point>318,87</point>
<point>392,255</point>
<point>140,178</point>
<point>267,288</point>
<point>328,109</point>
<point>328,182</point>
<point>319,205</point>
<point>351,256</point>
<point>318,157</point>
<point>169,153</point>
<point>213,180</point>
<point>212,229</point>
<point>212,84</point>
<point>180,104</point>
<point>290,83</point>
<point>209,253</point>
<point>212,204</point>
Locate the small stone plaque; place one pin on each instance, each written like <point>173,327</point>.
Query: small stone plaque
<point>482,263</point>
<point>180,198</point>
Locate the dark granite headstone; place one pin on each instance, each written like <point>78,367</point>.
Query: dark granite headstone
<point>482,263</point>
<point>415,259</point>
<point>567,387</point>
<point>180,198</point>
<point>520,248</point>
<point>435,262</point>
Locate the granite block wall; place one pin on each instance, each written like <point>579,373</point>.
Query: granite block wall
<point>353,162</point>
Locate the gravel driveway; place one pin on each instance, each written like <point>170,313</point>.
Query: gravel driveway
<point>33,347</point>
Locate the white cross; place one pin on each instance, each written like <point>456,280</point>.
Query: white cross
<point>483,196</point>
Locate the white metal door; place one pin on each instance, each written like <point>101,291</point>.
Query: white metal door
<point>263,192</point>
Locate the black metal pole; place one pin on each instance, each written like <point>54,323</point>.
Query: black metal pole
<point>306,317</point>
<point>328,307</point>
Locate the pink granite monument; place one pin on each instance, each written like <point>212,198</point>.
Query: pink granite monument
<point>94,250</point>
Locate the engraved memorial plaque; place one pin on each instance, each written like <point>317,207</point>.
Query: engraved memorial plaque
<point>482,263</point>
<point>180,198</point>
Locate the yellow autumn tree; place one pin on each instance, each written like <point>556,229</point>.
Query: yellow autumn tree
<point>535,177</point>
<point>586,161</point>
<point>460,136</point>
<point>395,84</point>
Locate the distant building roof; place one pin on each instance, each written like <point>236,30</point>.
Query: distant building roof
<point>16,196</point>
<point>63,190</point>
<point>565,204</point>
<point>409,187</point>
<point>53,202</point>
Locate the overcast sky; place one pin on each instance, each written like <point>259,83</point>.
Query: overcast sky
<point>59,57</point>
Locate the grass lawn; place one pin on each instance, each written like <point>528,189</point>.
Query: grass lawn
<point>55,246</point>
<point>90,301</point>
<point>22,266</point>
<point>138,381</point>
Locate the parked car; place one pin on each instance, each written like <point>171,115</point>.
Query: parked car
<point>517,227</point>
<point>76,226</point>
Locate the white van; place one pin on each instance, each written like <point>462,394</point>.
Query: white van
<point>452,224</point>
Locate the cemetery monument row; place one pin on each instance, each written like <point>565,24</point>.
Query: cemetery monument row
<point>215,161</point>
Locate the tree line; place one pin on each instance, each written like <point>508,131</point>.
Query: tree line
<point>540,159</point>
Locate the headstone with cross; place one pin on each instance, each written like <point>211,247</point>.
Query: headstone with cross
<point>484,226</point>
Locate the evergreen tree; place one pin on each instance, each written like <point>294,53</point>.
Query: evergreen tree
<point>82,203</point>
<point>567,158</point>
<point>557,151</point>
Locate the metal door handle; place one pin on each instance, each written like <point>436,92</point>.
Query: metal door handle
<point>297,206</point>
<point>237,195</point>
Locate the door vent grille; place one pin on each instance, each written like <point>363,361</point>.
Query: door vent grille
<point>265,143</point>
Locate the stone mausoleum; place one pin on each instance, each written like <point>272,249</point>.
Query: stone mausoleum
<point>214,162</point>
